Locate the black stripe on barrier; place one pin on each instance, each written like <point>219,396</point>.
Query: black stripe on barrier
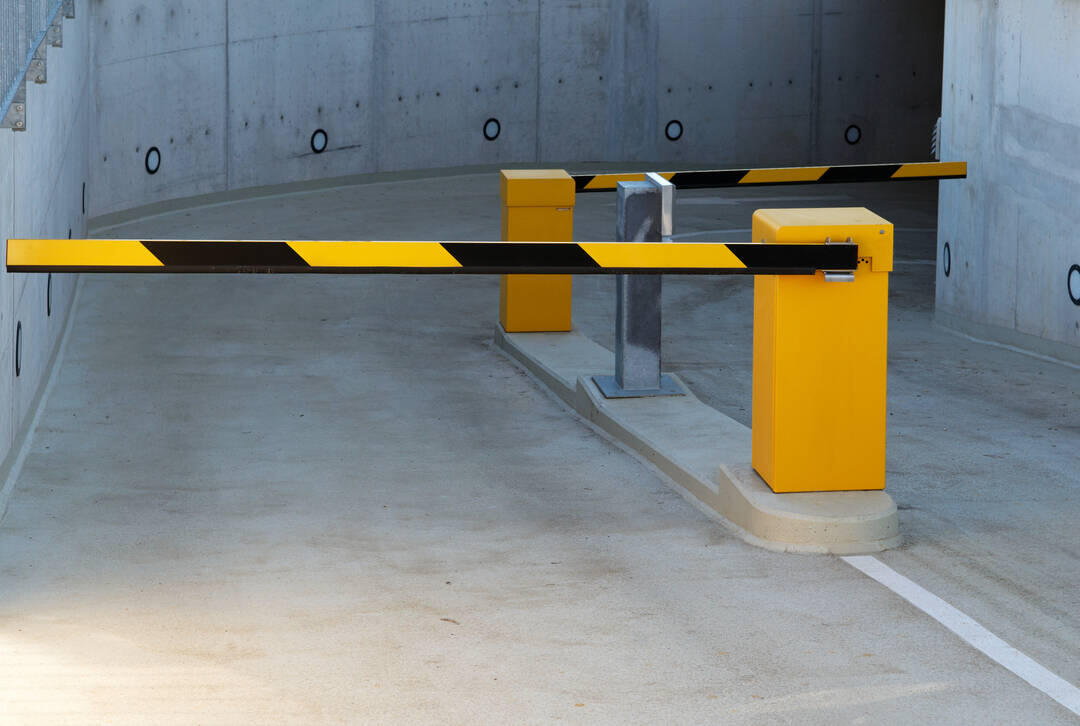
<point>582,180</point>
<point>226,256</point>
<point>537,258</point>
<point>708,179</point>
<point>866,173</point>
<point>763,259</point>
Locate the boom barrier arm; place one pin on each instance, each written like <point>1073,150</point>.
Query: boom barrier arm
<point>370,257</point>
<point>720,178</point>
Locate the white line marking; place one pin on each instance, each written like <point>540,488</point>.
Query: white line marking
<point>709,232</point>
<point>971,632</point>
<point>1010,348</point>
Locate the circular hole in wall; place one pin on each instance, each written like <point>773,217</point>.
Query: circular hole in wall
<point>153,160</point>
<point>48,296</point>
<point>319,140</point>
<point>18,349</point>
<point>674,129</point>
<point>853,134</point>
<point>1074,284</point>
<point>492,129</point>
<point>946,259</point>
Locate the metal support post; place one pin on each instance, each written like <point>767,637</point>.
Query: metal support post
<point>644,213</point>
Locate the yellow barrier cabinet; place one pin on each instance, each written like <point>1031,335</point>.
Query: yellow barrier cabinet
<point>537,206</point>
<point>820,355</point>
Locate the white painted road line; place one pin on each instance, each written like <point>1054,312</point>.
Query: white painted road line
<point>970,631</point>
<point>712,232</point>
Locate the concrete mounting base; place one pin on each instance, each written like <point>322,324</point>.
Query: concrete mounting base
<point>706,455</point>
<point>609,386</point>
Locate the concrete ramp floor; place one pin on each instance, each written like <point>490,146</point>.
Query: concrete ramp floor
<point>332,500</point>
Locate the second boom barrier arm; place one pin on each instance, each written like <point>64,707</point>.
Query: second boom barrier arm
<point>723,178</point>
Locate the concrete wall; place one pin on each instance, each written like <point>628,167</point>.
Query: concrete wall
<point>231,91</point>
<point>42,171</point>
<point>1011,107</point>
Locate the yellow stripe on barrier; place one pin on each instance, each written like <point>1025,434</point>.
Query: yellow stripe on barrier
<point>784,176</point>
<point>936,168</point>
<point>610,181</point>
<point>374,254</point>
<point>80,253</point>
<point>648,255</point>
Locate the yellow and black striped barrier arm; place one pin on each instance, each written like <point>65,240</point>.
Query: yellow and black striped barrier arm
<point>719,178</point>
<point>220,256</point>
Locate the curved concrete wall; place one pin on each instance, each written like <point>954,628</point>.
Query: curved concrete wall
<point>42,171</point>
<point>231,91</point>
<point>1011,107</point>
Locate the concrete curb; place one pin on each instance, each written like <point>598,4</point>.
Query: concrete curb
<point>705,455</point>
<point>24,438</point>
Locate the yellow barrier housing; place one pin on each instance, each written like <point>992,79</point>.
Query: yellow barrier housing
<point>537,205</point>
<point>820,356</point>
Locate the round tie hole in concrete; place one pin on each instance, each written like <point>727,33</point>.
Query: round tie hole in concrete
<point>1074,284</point>
<point>853,134</point>
<point>492,129</point>
<point>18,349</point>
<point>319,141</point>
<point>946,259</point>
<point>153,160</point>
<point>674,130</point>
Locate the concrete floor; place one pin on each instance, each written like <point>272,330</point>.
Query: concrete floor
<point>330,500</point>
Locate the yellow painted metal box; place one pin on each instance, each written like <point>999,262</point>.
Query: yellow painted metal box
<point>820,357</point>
<point>537,206</point>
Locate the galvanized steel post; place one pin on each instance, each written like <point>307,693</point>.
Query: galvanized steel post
<point>637,308</point>
<point>644,213</point>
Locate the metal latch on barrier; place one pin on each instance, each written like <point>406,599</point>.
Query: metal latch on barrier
<point>840,275</point>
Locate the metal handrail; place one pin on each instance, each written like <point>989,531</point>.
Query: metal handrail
<point>24,28</point>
